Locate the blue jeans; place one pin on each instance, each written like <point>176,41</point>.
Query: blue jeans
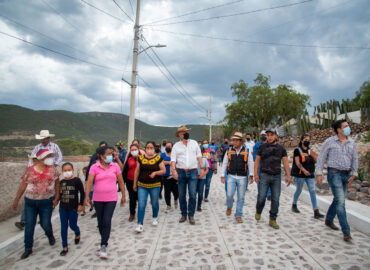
<point>142,194</point>
<point>239,185</point>
<point>23,217</point>
<point>187,180</point>
<point>104,214</point>
<point>311,188</point>
<point>274,183</point>
<point>208,182</point>
<point>200,190</point>
<point>68,217</point>
<point>338,181</point>
<point>32,208</point>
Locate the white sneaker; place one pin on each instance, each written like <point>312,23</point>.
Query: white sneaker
<point>168,209</point>
<point>99,247</point>
<point>139,228</point>
<point>103,252</point>
<point>155,222</point>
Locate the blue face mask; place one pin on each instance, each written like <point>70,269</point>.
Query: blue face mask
<point>205,146</point>
<point>263,138</point>
<point>109,159</point>
<point>347,131</point>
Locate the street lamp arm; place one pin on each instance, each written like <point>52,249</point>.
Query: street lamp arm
<point>152,46</point>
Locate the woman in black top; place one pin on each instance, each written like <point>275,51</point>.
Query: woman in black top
<point>70,205</point>
<point>303,170</point>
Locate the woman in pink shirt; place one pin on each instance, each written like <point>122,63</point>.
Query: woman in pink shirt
<point>105,174</point>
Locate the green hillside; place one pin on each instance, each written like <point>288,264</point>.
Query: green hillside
<point>89,127</point>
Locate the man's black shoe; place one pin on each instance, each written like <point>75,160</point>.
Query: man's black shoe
<point>94,215</point>
<point>199,209</point>
<point>317,214</point>
<point>51,240</point>
<point>295,208</point>
<point>26,253</point>
<point>19,225</point>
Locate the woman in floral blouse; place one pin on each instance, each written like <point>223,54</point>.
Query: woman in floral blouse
<point>40,184</point>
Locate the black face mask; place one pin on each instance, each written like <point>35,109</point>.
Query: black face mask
<point>186,136</point>
<point>248,139</point>
<point>168,150</point>
<point>164,144</point>
<point>306,143</point>
<point>213,143</point>
<point>157,151</point>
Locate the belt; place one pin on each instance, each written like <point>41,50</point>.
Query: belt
<point>186,170</point>
<point>341,171</point>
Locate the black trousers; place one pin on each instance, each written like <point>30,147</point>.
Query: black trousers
<point>170,186</point>
<point>132,196</point>
<point>104,214</point>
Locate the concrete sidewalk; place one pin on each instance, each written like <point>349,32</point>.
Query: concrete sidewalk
<point>215,242</point>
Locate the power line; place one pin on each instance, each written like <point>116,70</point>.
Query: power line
<point>196,11</point>
<point>173,77</point>
<point>122,10</point>
<point>235,14</point>
<point>102,11</point>
<point>60,53</point>
<point>262,42</point>
<point>132,8</point>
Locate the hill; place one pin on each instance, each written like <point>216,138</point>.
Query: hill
<point>18,125</point>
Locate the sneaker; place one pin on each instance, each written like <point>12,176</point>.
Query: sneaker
<point>51,240</point>
<point>139,228</point>
<point>228,211</point>
<point>273,224</point>
<point>295,209</point>
<point>64,252</point>
<point>77,239</point>
<point>26,253</point>
<point>239,220</point>
<point>99,247</point>
<point>317,214</point>
<point>257,216</point>
<point>103,252</point>
<point>199,209</point>
<point>131,218</point>
<point>155,222</point>
<point>19,225</point>
<point>176,204</point>
<point>191,221</point>
<point>206,200</point>
<point>168,209</point>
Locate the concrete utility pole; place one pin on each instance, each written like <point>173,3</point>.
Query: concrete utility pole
<point>131,122</point>
<point>210,119</point>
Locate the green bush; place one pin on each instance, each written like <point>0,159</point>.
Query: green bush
<point>71,147</point>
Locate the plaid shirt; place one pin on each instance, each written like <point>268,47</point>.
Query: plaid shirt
<point>338,156</point>
<point>54,148</point>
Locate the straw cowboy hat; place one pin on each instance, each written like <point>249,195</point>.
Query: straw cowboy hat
<point>44,134</point>
<point>237,135</point>
<point>181,129</point>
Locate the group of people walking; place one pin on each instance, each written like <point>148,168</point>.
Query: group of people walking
<point>185,170</point>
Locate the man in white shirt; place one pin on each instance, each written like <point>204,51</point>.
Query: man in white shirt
<point>238,162</point>
<point>185,157</point>
<point>249,143</point>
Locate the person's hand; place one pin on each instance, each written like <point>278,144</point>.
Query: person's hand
<point>306,173</point>
<point>287,181</point>
<point>115,155</point>
<point>80,208</point>
<point>256,178</point>
<point>223,179</point>
<point>250,179</point>
<point>55,202</point>
<point>175,175</point>
<point>15,205</point>
<point>134,187</point>
<point>319,180</point>
<point>350,180</point>
<point>123,200</point>
<point>87,201</point>
<point>152,175</point>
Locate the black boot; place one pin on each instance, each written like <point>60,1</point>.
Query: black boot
<point>317,214</point>
<point>295,208</point>
<point>26,253</point>
<point>51,240</point>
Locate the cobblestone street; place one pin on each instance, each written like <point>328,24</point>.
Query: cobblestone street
<point>215,242</point>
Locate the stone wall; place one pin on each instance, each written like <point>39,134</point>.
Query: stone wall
<point>10,178</point>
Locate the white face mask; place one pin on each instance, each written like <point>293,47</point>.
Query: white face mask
<point>150,152</point>
<point>67,174</point>
<point>48,161</point>
<point>134,153</point>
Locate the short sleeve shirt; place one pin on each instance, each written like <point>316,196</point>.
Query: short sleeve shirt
<point>105,182</point>
<point>40,185</point>
<point>271,155</point>
<point>205,165</point>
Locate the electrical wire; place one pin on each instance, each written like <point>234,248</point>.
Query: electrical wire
<point>122,10</point>
<point>262,42</point>
<point>235,14</point>
<point>196,11</point>
<point>60,53</point>
<point>103,11</point>
<point>132,8</point>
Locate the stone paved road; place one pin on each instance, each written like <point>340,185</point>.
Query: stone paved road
<point>216,242</point>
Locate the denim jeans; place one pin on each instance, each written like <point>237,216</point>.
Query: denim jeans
<point>208,183</point>
<point>240,186</point>
<point>68,217</point>
<point>142,194</point>
<point>23,217</point>
<point>311,188</point>
<point>338,181</point>
<point>32,208</point>
<point>274,183</point>
<point>104,214</point>
<point>226,182</point>
<point>187,180</point>
<point>200,190</point>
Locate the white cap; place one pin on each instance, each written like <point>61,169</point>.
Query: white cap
<point>263,132</point>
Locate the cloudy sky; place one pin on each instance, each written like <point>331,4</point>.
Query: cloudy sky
<point>210,45</point>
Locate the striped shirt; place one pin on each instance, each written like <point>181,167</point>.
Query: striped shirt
<point>52,147</point>
<point>338,156</point>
